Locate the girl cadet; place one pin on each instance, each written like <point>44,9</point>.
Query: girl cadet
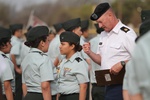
<point>36,66</point>
<point>7,77</point>
<point>73,70</point>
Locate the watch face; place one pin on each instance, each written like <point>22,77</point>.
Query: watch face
<point>123,63</point>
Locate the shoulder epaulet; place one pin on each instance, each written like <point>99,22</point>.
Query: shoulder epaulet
<point>125,29</point>
<point>78,59</point>
<point>4,56</point>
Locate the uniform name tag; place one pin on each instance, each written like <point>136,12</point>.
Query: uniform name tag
<point>107,77</point>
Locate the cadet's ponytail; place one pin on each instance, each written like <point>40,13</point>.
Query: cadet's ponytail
<point>78,47</point>
<point>35,43</point>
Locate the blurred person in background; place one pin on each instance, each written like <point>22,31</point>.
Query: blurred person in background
<point>53,50</point>
<point>15,55</point>
<point>85,30</point>
<point>98,92</point>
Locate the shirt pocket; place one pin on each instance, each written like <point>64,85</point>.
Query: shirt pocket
<point>115,48</point>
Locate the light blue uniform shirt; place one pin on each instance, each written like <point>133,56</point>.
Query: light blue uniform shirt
<point>72,73</point>
<point>138,69</point>
<point>36,68</point>
<point>16,48</point>
<point>9,73</point>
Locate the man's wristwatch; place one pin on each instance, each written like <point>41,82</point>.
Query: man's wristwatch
<point>123,63</point>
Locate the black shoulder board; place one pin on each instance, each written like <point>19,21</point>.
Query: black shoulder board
<point>78,59</point>
<point>4,56</point>
<point>125,29</point>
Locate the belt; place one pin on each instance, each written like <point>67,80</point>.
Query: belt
<point>34,92</point>
<point>94,84</point>
<point>69,94</point>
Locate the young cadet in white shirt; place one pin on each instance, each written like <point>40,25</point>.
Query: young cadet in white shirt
<point>37,72</point>
<point>73,70</point>
<point>15,54</point>
<point>53,50</point>
<point>116,44</point>
<point>98,92</point>
<point>8,76</point>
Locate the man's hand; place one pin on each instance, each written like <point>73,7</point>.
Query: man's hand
<point>115,69</point>
<point>86,48</point>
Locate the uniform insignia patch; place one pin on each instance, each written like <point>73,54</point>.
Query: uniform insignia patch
<point>78,59</point>
<point>125,29</point>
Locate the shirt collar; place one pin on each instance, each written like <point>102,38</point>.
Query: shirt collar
<point>116,29</point>
<point>73,57</point>
<point>37,50</point>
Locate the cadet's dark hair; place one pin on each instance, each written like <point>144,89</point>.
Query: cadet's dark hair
<point>84,29</point>
<point>72,28</point>
<point>78,47</point>
<point>35,43</point>
<point>3,42</point>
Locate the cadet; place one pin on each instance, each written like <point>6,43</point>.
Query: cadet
<point>73,72</point>
<point>98,92</point>
<point>15,56</point>
<point>36,66</point>
<point>74,25</point>
<point>8,76</point>
<point>53,50</point>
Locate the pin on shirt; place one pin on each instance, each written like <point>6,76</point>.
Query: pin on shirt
<point>100,43</point>
<point>66,70</point>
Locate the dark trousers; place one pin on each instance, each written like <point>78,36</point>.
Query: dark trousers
<point>54,97</point>
<point>0,91</point>
<point>18,86</point>
<point>4,97</point>
<point>33,96</point>
<point>98,92</point>
<point>113,92</point>
<point>88,91</point>
<point>74,96</point>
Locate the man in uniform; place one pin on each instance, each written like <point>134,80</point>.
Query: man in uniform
<point>16,58</point>
<point>115,46</point>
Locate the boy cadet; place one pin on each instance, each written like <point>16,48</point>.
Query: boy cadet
<point>115,46</point>
<point>53,50</point>
<point>98,92</point>
<point>15,56</point>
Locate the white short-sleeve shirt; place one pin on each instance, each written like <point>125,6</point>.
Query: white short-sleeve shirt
<point>116,45</point>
